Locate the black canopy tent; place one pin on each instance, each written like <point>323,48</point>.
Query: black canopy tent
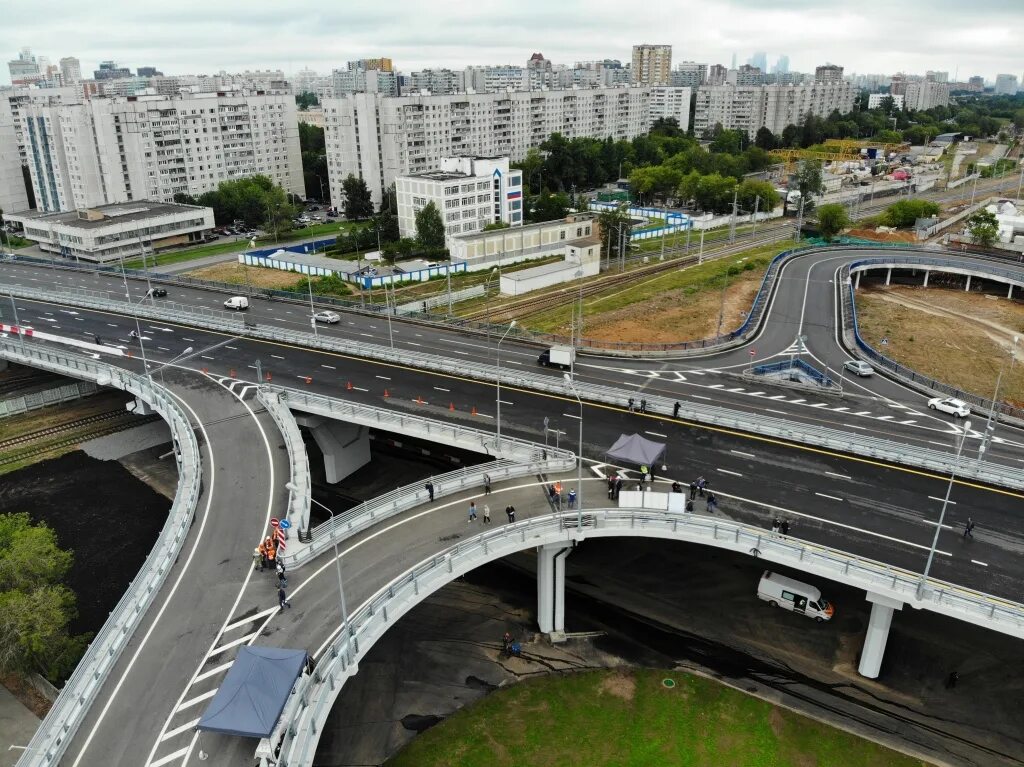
<point>254,692</point>
<point>632,448</point>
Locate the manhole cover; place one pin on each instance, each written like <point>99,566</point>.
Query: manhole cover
<point>670,683</point>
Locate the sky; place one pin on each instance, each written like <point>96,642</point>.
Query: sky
<point>199,36</point>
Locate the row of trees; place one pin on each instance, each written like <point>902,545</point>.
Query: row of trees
<point>255,200</point>
<point>314,162</point>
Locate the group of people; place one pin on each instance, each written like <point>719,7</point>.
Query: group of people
<point>510,512</point>
<point>266,555</point>
<point>780,526</point>
<point>555,495</point>
<point>698,486</point>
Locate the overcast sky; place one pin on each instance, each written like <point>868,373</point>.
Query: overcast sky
<point>198,36</point>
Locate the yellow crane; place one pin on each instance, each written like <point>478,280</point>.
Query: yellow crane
<point>791,156</point>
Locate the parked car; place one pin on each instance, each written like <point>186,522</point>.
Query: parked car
<point>950,405</point>
<point>859,367</point>
<point>238,303</point>
<point>330,318</point>
<point>157,292</point>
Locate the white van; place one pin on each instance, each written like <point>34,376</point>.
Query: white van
<point>780,591</point>
<point>238,303</point>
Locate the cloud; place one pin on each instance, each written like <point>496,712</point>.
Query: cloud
<point>194,36</point>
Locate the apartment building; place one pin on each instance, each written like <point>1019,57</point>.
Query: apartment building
<point>153,147</point>
<point>652,64</point>
<point>925,94</point>
<point>379,138</point>
<point>469,193</point>
<point>689,74</point>
<point>364,81</point>
<point>12,184</point>
<point>20,98</point>
<point>436,81</point>
<point>828,73</point>
<point>671,102</point>
<point>875,100</point>
<point>772,106</point>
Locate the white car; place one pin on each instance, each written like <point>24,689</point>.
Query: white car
<point>329,317</point>
<point>950,405</point>
<point>859,367</point>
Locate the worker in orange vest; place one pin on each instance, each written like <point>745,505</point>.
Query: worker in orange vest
<point>272,555</point>
<point>263,555</point>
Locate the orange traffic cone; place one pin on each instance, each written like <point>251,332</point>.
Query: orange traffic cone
<point>349,386</point>
<point>205,370</point>
<point>419,400</point>
<point>269,377</point>
<point>451,407</point>
<point>309,380</point>
<point>386,395</point>
<point>473,411</point>
<point>232,373</point>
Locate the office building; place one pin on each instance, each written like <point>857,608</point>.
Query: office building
<point>749,108</point>
<point>70,71</point>
<point>976,83</point>
<point>108,150</point>
<point>379,138</point>
<point>671,102</point>
<point>13,196</point>
<point>759,61</point>
<point>469,193</point>
<point>782,65</point>
<point>875,100</point>
<point>109,70</point>
<point>1006,85</point>
<point>652,64</point>
<point>148,72</point>
<point>110,232</point>
<point>828,73</point>
<point>717,75</point>
<point>689,74</point>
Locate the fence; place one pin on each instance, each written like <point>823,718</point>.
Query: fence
<point>303,719</point>
<point>799,365</point>
<point>59,727</point>
<point>298,458</point>
<point>40,399</point>
<point>434,301</point>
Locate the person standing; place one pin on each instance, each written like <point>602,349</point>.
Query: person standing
<point>257,559</point>
<point>969,528</point>
<point>572,498</point>
<point>430,490</point>
<point>701,484</point>
<point>643,406</point>
<point>632,405</point>
<point>487,484</point>
<point>487,514</point>
<point>472,511</point>
<point>693,489</point>
<point>510,510</point>
<point>712,503</point>
<point>784,527</point>
<point>282,578</point>
<point>611,487</point>
<point>776,524</point>
<point>675,410</point>
<point>618,487</point>
<point>282,598</point>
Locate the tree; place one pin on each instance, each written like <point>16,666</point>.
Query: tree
<point>305,100</point>
<point>714,193</point>
<point>358,203</point>
<point>764,138</point>
<point>983,227</point>
<point>808,180</point>
<point>495,226</point>
<point>832,219</point>
<point>430,227</point>
<point>760,194</point>
<point>389,200</point>
<point>667,126</point>
<point>549,207</point>
<point>615,225</point>
<point>386,223</point>
<point>36,608</point>
<point>905,212</point>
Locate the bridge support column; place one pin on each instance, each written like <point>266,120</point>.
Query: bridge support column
<point>139,407</point>
<point>1009,294</point>
<point>3,365</point>
<point>888,276</point>
<point>968,288</point>
<point>346,446</point>
<point>551,587</point>
<point>856,281</point>
<point>926,273</point>
<point>871,654</point>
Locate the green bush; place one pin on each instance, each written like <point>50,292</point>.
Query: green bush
<point>904,213</point>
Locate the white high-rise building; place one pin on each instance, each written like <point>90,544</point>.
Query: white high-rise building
<point>436,81</point>
<point>153,147</point>
<point>379,138</point>
<point>1006,85</point>
<point>70,71</point>
<point>12,184</point>
<point>652,64</point>
<point>19,98</point>
<point>875,100</point>
<point>771,106</point>
<point>925,94</point>
<point>671,102</point>
<point>469,193</point>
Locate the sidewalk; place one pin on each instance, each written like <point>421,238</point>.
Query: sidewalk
<point>17,726</point>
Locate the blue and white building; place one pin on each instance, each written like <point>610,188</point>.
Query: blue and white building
<point>469,192</point>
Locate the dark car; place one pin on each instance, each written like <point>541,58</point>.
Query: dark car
<point>156,292</point>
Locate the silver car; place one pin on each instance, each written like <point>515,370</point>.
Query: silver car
<point>859,367</point>
<point>329,317</point>
<point>950,405</point>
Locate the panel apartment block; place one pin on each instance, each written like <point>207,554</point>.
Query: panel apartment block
<point>380,138</point>
<point>748,108</point>
<point>153,147</point>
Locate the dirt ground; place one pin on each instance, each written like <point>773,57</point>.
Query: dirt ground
<point>871,234</point>
<point>235,273</point>
<point>961,338</point>
<point>676,315</point>
<point>99,510</point>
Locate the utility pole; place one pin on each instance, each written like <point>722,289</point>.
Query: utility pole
<point>700,255</point>
<point>732,223</point>
<point>757,204</point>
<point>800,219</point>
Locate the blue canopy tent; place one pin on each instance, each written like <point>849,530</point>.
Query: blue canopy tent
<point>254,692</point>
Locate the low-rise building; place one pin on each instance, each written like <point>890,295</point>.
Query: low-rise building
<point>582,260</point>
<point>111,232</point>
<point>469,193</point>
<point>496,248</point>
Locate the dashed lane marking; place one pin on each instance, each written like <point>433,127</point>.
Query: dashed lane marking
<point>198,699</point>
<point>740,452</point>
<point>840,476</point>
<point>830,497</point>
<point>977,562</point>
<point>732,473</point>
<point>177,731</point>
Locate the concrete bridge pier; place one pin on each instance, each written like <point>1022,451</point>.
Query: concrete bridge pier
<point>882,608</point>
<point>888,276</point>
<point>139,407</point>
<point>968,288</point>
<point>856,281</point>
<point>926,273</point>
<point>346,446</point>
<point>551,587</point>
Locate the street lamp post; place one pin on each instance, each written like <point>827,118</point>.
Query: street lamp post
<point>291,486</point>
<point>990,422</point>
<point>312,309</point>
<point>487,301</point>
<point>135,316</point>
<point>579,458</point>
<point>171,361</point>
<point>497,447</point>
<point>942,514</point>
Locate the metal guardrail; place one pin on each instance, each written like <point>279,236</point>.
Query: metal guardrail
<point>317,692</point>
<point>39,399</point>
<point>58,728</point>
<point>298,458</point>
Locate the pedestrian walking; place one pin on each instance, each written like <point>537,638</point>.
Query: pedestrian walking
<point>472,511</point>
<point>257,558</point>
<point>632,405</point>
<point>693,489</point>
<point>701,485</point>
<point>487,514</point>
<point>784,527</point>
<point>675,410</point>
<point>712,503</point>
<point>282,578</point>
<point>952,679</point>
<point>430,490</point>
<point>611,487</point>
<point>572,498</point>
<point>643,406</point>
<point>487,484</point>
<point>510,510</point>
<point>969,528</point>
<point>282,598</point>
<point>618,487</point>
<point>776,524</point>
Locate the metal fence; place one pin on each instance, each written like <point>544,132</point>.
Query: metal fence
<point>59,727</point>
<point>298,458</point>
<point>40,399</point>
<point>316,693</point>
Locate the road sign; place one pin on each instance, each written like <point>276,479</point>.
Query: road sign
<point>285,524</point>
<point>753,352</point>
<point>274,522</point>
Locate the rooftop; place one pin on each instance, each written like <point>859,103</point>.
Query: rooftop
<point>107,215</point>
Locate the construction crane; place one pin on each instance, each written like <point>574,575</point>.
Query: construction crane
<point>791,156</point>
<point>855,145</point>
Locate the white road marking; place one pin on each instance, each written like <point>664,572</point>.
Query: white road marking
<point>458,351</point>
<point>840,409</point>
<point>170,757</point>
<point>504,402</point>
<point>698,396</point>
<point>383,378</point>
<point>204,357</point>
<point>853,426</point>
<point>512,362</point>
<point>772,410</point>
<point>733,473</point>
<point>366,335</point>
<point>438,388</point>
<point>232,348</point>
<point>940,500</point>
<point>413,343</point>
<point>655,434</point>
<point>277,356</point>
<point>357,388</point>
<point>830,497</point>
<point>907,423</point>
<point>976,562</point>
<point>745,455</point>
<point>840,476</point>
<point>198,699</point>
<point>819,404</point>
<point>112,325</point>
<point>567,415</point>
<point>213,671</point>
<point>329,367</point>
<point>187,339</point>
<point>179,730</point>
<point>250,619</point>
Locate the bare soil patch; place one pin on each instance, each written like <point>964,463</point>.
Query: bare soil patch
<point>621,685</point>
<point>871,234</point>
<point>963,339</point>
<point>258,277</point>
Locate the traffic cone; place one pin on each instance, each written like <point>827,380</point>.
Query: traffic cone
<point>419,400</point>
<point>473,412</point>
<point>349,386</point>
<point>232,372</point>
<point>128,354</point>
<point>269,377</point>
<point>386,395</point>
<point>205,371</point>
<point>451,407</point>
<point>309,380</point>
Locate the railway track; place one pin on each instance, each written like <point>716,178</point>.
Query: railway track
<point>71,426</point>
<point>111,425</point>
<point>13,384</point>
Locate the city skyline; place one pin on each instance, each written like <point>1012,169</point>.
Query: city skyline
<point>874,37</point>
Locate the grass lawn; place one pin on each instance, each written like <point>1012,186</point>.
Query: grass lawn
<point>629,718</point>
<point>680,305</point>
